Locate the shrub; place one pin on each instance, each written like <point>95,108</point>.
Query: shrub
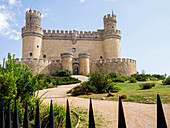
<point>160,77</point>
<point>132,80</point>
<point>166,81</point>
<point>112,75</point>
<point>141,77</point>
<point>121,79</point>
<point>147,85</point>
<point>62,73</point>
<point>152,78</point>
<point>98,83</point>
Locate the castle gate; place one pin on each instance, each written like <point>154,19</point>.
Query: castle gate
<point>75,66</point>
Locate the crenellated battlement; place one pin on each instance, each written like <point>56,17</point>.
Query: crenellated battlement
<point>110,17</point>
<point>32,29</point>
<point>81,34</point>
<point>33,12</point>
<point>114,60</point>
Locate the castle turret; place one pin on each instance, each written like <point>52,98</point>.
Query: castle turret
<point>84,63</point>
<point>112,37</point>
<point>32,35</point>
<point>66,61</point>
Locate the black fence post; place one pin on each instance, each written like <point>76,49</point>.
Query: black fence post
<point>8,117</point>
<point>91,116</point>
<point>161,122</point>
<point>16,120</point>
<point>121,120</point>
<point>26,117</point>
<point>2,117</point>
<point>68,121</point>
<point>37,117</point>
<point>51,117</point>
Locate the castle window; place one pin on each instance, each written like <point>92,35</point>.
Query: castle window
<point>112,27</point>
<point>37,46</point>
<point>101,57</point>
<point>44,56</point>
<point>30,54</point>
<point>74,49</point>
<point>84,70</point>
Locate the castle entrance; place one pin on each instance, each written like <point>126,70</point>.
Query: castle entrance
<point>75,69</point>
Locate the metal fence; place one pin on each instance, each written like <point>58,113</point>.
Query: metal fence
<point>161,121</point>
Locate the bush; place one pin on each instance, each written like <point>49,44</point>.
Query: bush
<point>166,81</point>
<point>147,85</point>
<point>160,77</point>
<point>152,78</point>
<point>132,80</point>
<point>121,79</point>
<point>62,73</point>
<point>141,77</point>
<point>98,83</point>
<point>112,75</point>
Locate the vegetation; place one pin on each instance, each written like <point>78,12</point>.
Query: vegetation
<point>145,77</point>
<point>147,85</point>
<point>166,81</point>
<point>136,94</point>
<point>62,73</point>
<point>18,83</point>
<point>54,81</point>
<point>98,83</point>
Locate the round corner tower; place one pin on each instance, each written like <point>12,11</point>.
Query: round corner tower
<point>84,59</point>
<point>66,61</point>
<point>32,35</point>
<point>112,37</point>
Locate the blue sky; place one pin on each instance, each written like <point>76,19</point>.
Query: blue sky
<point>145,26</point>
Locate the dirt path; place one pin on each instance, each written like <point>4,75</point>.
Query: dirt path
<point>137,115</point>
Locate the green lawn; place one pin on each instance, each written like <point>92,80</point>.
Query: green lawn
<point>135,94</point>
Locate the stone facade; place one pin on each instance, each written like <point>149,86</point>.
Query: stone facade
<point>77,51</point>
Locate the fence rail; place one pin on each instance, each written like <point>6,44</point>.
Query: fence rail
<point>161,121</point>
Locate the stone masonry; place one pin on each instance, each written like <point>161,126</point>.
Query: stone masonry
<point>77,51</point>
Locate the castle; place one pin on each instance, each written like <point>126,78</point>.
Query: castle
<point>77,51</point>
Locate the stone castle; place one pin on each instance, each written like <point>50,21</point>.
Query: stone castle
<point>77,51</point>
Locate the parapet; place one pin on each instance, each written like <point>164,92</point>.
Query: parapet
<point>109,17</point>
<point>114,60</point>
<point>33,12</point>
<point>66,55</point>
<point>84,55</point>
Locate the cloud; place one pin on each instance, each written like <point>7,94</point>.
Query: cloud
<point>82,1</point>
<point>8,22</point>
<point>44,12</point>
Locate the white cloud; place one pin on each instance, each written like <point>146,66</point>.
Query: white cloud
<point>8,19</point>
<point>44,12</point>
<point>82,1</point>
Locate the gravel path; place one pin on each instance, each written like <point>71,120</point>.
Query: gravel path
<point>137,115</point>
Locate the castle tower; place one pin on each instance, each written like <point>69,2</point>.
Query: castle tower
<point>84,63</point>
<point>32,35</point>
<point>66,61</point>
<point>112,37</point>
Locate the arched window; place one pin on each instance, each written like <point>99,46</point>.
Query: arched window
<point>37,46</point>
<point>30,54</point>
<point>44,56</point>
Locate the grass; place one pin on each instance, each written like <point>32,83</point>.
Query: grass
<point>84,118</point>
<point>135,94</point>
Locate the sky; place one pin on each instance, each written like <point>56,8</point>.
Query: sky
<point>144,24</point>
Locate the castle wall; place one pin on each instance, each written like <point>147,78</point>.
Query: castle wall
<point>41,66</point>
<point>53,48</point>
<point>125,67</point>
